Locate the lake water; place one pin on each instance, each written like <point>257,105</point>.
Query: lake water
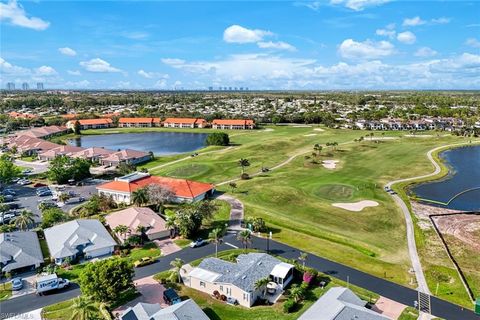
<point>160,143</point>
<point>464,166</point>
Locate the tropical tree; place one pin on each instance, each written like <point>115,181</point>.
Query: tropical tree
<point>77,128</point>
<point>232,186</point>
<point>303,257</point>
<point>261,284</point>
<point>24,220</point>
<point>245,237</point>
<point>63,197</point>
<point>141,230</point>
<point>8,171</point>
<point>296,293</point>
<point>215,236</point>
<point>159,195</point>
<point>140,197</point>
<point>122,230</point>
<point>243,163</point>
<point>317,148</point>
<point>177,264</point>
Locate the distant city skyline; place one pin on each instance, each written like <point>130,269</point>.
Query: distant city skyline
<point>312,45</point>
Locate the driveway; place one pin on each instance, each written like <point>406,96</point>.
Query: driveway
<point>37,166</point>
<point>167,246</point>
<point>389,308</point>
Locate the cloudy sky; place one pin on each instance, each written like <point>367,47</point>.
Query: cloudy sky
<point>329,44</point>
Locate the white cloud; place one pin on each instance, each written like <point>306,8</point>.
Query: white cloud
<point>406,37</point>
<point>280,45</point>
<point>67,51</point>
<point>473,42</point>
<point>368,49</point>
<point>425,52</point>
<point>173,61</point>
<point>441,20</point>
<point>412,22</point>
<point>386,33</point>
<point>150,75</point>
<point>136,35</point>
<point>10,69</point>
<point>358,5</point>
<point>45,71</point>
<point>74,72</point>
<point>239,34</point>
<point>160,84</point>
<point>98,65</point>
<point>77,84</point>
<point>16,15</point>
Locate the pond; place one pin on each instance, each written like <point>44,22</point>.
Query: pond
<point>160,143</point>
<point>460,189</point>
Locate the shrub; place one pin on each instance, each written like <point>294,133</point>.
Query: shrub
<point>244,176</point>
<point>218,139</point>
<point>308,278</point>
<point>289,305</point>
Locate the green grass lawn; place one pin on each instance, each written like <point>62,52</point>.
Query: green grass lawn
<point>5,290</point>
<point>409,313</point>
<point>148,250</point>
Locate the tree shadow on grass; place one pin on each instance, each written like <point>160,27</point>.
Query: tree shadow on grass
<point>211,313</point>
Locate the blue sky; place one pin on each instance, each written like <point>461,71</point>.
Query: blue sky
<point>330,44</point>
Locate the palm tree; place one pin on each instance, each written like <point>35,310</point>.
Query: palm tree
<point>296,293</point>
<point>245,237</point>
<point>63,197</point>
<point>121,229</point>
<point>317,148</point>
<point>303,257</point>
<point>24,220</point>
<point>233,186</point>
<point>261,284</point>
<point>82,309</point>
<point>177,264</point>
<point>215,236</point>
<point>140,197</point>
<point>243,163</point>
<point>142,230</point>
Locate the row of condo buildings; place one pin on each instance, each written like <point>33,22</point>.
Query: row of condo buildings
<point>32,143</point>
<point>224,124</point>
<point>446,124</point>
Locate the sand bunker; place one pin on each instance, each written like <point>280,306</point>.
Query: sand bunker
<point>301,126</point>
<point>310,135</point>
<point>382,138</point>
<point>419,135</point>
<point>330,164</point>
<point>318,129</point>
<point>356,206</point>
<point>267,129</point>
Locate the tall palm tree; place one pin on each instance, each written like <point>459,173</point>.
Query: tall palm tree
<point>243,163</point>
<point>245,237</point>
<point>303,257</point>
<point>177,264</point>
<point>140,197</point>
<point>82,309</point>
<point>24,220</point>
<point>261,284</point>
<point>142,230</point>
<point>317,148</point>
<point>215,236</point>
<point>122,230</point>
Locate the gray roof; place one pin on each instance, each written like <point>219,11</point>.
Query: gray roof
<point>63,239</point>
<point>19,249</point>
<point>249,269</point>
<point>185,310</point>
<point>340,304</point>
<point>141,311</point>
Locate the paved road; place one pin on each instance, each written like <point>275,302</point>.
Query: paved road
<point>407,296</point>
<point>37,166</point>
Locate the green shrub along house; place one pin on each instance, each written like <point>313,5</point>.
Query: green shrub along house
<point>477,306</point>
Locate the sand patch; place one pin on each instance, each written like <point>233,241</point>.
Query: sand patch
<point>268,130</point>
<point>382,138</point>
<point>310,135</point>
<point>330,164</point>
<point>419,135</point>
<point>318,129</point>
<point>301,126</point>
<point>356,206</point>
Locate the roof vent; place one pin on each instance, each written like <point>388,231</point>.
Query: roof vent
<point>244,277</point>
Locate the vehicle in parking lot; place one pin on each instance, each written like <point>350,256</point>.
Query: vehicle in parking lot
<point>43,204</point>
<point>74,200</point>
<point>12,205</point>
<point>26,171</point>
<point>24,182</point>
<point>6,217</point>
<point>50,282</point>
<point>143,262</point>
<point>9,192</point>
<point>44,193</point>
<point>171,297</point>
<point>17,284</point>
<point>8,198</point>
<point>198,243</point>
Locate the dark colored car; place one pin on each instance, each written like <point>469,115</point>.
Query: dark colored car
<point>171,297</point>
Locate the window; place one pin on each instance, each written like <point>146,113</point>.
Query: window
<point>245,296</point>
<point>202,284</point>
<point>221,288</point>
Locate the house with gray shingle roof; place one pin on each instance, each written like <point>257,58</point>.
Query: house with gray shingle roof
<point>237,279</point>
<point>20,250</point>
<point>185,310</point>
<point>340,304</point>
<point>85,238</point>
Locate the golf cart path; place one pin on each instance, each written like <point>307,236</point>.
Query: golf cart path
<point>236,211</point>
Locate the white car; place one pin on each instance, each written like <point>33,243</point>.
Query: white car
<point>24,182</point>
<point>198,243</point>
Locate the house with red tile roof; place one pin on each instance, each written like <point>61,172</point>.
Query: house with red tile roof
<point>121,188</point>
<point>43,132</point>
<point>184,123</point>
<point>135,217</point>
<point>18,115</point>
<point>30,145</point>
<point>91,123</point>
<point>233,124</point>
<point>63,150</point>
<point>93,154</point>
<point>139,122</point>
<point>127,156</point>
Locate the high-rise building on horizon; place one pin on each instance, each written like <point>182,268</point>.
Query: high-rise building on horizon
<point>39,85</point>
<point>10,86</point>
<point>25,86</point>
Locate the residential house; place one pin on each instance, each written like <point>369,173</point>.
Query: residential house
<point>135,217</point>
<point>29,145</point>
<point>233,124</point>
<point>184,123</point>
<point>93,154</point>
<point>18,115</point>
<point>63,150</point>
<point>91,123</point>
<point>139,122</point>
<point>237,280</point>
<point>338,304</point>
<point>185,310</point>
<point>82,238</point>
<point>127,156</point>
<point>185,190</point>
<point>43,132</point>
<point>19,251</point>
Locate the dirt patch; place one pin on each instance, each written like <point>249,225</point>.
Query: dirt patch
<point>330,164</point>
<point>310,135</point>
<point>389,308</point>
<point>356,206</point>
<point>464,227</point>
<point>318,129</point>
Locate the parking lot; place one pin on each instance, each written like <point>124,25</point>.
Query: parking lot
<point>26,196</point>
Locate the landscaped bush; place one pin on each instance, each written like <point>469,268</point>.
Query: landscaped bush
<point>218,139</point>
<point>309,276</point>
<point>244,176</point>
<point>289,305</point>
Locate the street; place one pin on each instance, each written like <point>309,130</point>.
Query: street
<point>407,296</point>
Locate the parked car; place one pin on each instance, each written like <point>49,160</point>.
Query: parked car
<point>12,205</point>
<point>143,262</point>
<point>74,200</point>
<point>171,297</point>
<point>24,182</point>
<point>26,171</point>
<point>232,301</point>
<point>9,192</point>
<point>44,193</point>
<point>8,198</point>
<point>6,218</point>
<point>198,243</point>
<point>17,284</point>
<point>50,282</point>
